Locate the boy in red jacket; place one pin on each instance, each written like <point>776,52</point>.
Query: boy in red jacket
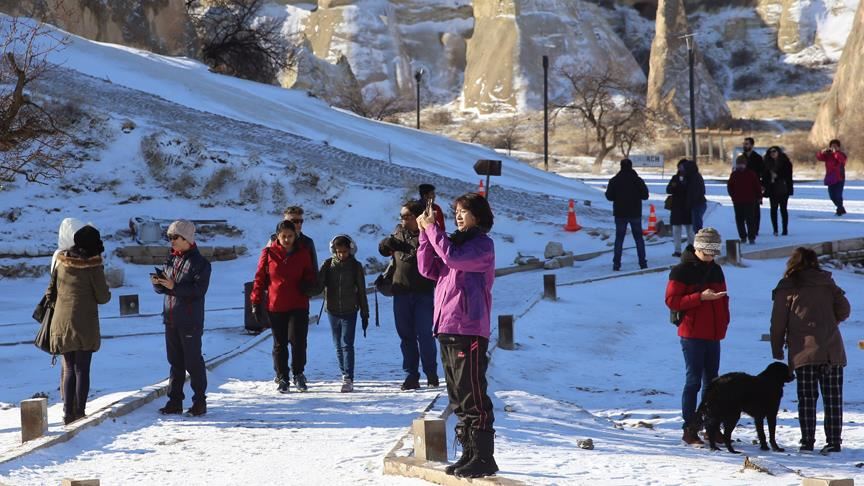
<point>746,192</point>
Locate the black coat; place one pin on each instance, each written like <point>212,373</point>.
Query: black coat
<point>184,304</point>
<point>627,191</point>
<point>755,163</point>
<point>677,188</point>
<point>777,178</point>
<point>695,186</point>
<point>402,246</point>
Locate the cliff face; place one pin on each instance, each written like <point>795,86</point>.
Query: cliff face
<point>842,113</point>
<point>669,81</point>
<point>155,25</point>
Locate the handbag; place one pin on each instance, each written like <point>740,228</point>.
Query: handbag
<point>667,204</point>
<point>384,281</point>
<point>43,313</point>
<point>676,316</point>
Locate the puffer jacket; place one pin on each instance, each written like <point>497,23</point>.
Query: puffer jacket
<point>687,280</point>
<point>287,277</point>
<point>464,272</point>
<point>345,287</point>
<point>77,288</point>
<point>808,308</point>
<point>184,304</point>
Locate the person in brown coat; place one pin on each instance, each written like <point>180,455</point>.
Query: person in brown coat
<point>77,288</point>
<point>808,307</point>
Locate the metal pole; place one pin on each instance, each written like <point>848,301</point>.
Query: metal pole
<point>690,56</point>
<point>487,187</point>
<point>417,76</point>
<point>546,113</point>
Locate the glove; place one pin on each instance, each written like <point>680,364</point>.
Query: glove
<point>256,313</point>
<point>365,325</point>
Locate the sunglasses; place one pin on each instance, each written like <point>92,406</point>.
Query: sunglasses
<point>296,220</point>
<point>174,237</point>
<point>405,217</point>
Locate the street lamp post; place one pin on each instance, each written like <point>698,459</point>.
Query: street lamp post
<point>418,75</point>
<point>546,113</point>
<point>690,59</point>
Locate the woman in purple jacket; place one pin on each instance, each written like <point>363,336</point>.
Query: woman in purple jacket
<point>463,265</point>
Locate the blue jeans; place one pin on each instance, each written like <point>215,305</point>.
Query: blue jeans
<point>702,360</point>
<point>344,327</point>
<point>835,192</point>
<point>696,213</point>
<point>413,314</point>
<point>620,231</point>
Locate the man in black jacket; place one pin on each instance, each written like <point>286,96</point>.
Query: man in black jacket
<point>757,165</point>
<point>184,281</point>
<point>413,299</point>
<point>627,191</point>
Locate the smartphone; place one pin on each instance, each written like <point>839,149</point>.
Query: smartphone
<point>159,273</point>
<point>429,203</point>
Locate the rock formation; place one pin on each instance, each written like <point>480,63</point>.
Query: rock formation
<point>842,113</point>
<point>668,79</point>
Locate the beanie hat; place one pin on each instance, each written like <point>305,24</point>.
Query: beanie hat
<point>184,229</point>
<point>708,240</point>
<point>88,242</point>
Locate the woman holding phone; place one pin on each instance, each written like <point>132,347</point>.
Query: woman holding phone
<point>463,265</point>
<point>697,291</point>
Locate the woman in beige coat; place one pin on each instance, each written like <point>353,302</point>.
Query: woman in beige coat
<point>808,307</point>
<point>77,287</point>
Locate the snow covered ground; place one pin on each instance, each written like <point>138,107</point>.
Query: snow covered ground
<point>591,365</point>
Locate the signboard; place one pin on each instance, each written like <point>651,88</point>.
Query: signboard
<point>647,160</point>
<point>488,167</point>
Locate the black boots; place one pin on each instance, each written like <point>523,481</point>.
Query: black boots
<point>172,408</point>
<point>482,462</point>
<point>467,451</point>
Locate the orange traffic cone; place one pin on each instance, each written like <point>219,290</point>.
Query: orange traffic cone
<point>652,223</point>
<point>481,190</point>
<point>571,225</point>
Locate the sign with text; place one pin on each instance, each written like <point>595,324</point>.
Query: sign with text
<point>647,160</point>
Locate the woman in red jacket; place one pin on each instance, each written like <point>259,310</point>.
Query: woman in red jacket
<point>285,272</point>
<point>697,292</point>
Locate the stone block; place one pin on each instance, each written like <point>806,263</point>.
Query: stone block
<point>506,332</point>
<point>552,264</point>
<point>79,482</point>
<point>34,418</point>
<point>566,260</point>
<point>827,482</point>
<point>553,249</point>
<point>430,439</point>
<point>114,276</point>
<point>550,291</point>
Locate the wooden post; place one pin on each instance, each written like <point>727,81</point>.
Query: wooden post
<point>733,251</point>
<point>505,332</point>
<point>722,154</point>
<point>79,482</point>
<point>710,146</point>
<point>34,418</point>
<point>430,439</point>
<point>550,292</point>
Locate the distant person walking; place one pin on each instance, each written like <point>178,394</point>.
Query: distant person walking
<point>344,283</point>
<point>427,193</point>
<point>808,308</point>
<point>285,271</point>
<point>756,163</point>
<point>746,192</point>
<point>463,264</point>
<point>696,292</point>
<point>413,299</point>
<point>835,173</point>
<point>680,217</point>
<point>77,288</point>
<point>696,201</point>
<point>184,281</point>
<point>627,190</point>
<point>777,181</point>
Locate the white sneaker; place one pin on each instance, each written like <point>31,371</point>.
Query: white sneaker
<point>347,385</point>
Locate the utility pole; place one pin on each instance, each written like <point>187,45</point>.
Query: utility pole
<point>418,75</point>
<point>689,39</point>
<point>546,113</point>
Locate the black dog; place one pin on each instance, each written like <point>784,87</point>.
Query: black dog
<point>757,396</point>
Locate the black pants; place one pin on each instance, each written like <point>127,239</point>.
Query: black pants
<point>757,218</point>
<point>464,359</point>
<point>184,354</point>
<point>744,219</point>
<point>76,382</point>
<point>289,327</point>
<point>780,202</point>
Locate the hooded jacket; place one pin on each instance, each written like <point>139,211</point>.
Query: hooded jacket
<point>464,273</point>
<point>184,304</point>
<point>77,288</point>
<point>687,280</point>
<point>344,284</point>
<point>808,308</point>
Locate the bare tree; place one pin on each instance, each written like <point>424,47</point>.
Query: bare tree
<point>376,105</point>
<point>511,135</point>
<point>611,107</point>
<point>237,39</point>
<point>32,142</point>
<point>640,130</point>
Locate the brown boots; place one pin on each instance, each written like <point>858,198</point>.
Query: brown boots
<point>691,437</point>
